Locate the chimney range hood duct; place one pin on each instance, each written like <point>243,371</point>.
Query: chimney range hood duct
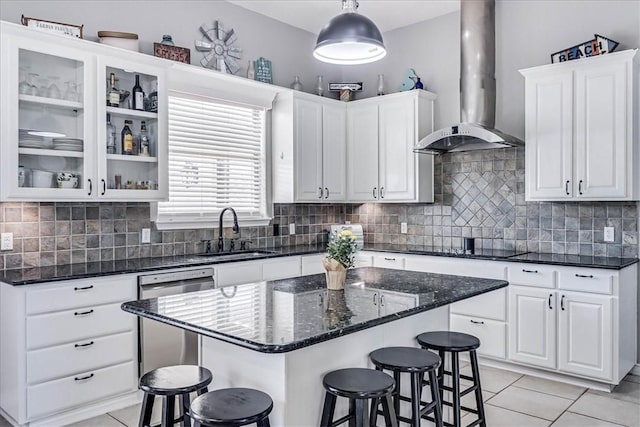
<point>477,87</point>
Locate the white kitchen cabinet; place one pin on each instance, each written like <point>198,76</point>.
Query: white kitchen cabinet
<point>394,302</point>
<point>580,129</point>
<point>55,87</point>
<point>288,310</point>
<point>381,134</point>
<point>309,149</point>
<point>585,328</point>
<point>281,267</point>
<point>532,326</point>
<point>389,260</point>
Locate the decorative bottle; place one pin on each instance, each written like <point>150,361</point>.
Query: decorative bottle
<point>320,86</point>
<point>251,71</point>
<point>380,84</point>
<point>419,84</point>
<point>296,85</point>
<point>167,40</point>
<point>111,136</point>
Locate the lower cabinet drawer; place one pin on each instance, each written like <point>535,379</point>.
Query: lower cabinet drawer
<point>77,390</point>
<point>238,273</point>
<point>492,334</point>
<point>68,359</point>
<point>281,268</point>
<point>388,261</point>
<point>586,280</point>
<point>312,264</point>
<point>491,305</point>
<point>76,325</point>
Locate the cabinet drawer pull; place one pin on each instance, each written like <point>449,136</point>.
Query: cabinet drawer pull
<point>326,190</point>
<point>580,187</point>
<point>382,192</point>
<point>375,298</point>
<point>566,187</point>
<point>88,377</point>
<point>382,300</point>
<point>104,187</point>
<point>83,313</point>
<point>550,296</point>
<point>562,303</point>
<point>319,192</point>
<point>529,271</point>
<point>475,322</point>
<point>374,192</point>
<point>83,288</point>
<point>87,344</point>
<point>90,187</point>
<point>389,259</point>
<point>590,276</point>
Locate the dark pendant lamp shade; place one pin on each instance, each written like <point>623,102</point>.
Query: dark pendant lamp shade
<point>349,39</point>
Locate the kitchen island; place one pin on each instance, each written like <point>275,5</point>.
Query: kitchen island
<point>283,336</point>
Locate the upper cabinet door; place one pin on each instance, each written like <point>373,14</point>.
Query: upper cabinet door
<point>548,135</point>
<point>334,152</point>
<point>397,137</point>
<point>603,160</point>
<point>307,130</point>
<point>48,121</point>
<point>362,152</point>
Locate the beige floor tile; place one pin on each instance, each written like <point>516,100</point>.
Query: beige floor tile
<point>632,378</point>
<point>626,390</point>
<point>550,387</point>
<point>608,409</point>
<point>569,419</point>
<point>531,402</point>
<point>129,416</point>
<point>101,421</point>
<point>500,417</point>
<point>492,379</point>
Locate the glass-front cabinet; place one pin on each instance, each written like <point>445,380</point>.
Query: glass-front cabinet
<point>80,121</point>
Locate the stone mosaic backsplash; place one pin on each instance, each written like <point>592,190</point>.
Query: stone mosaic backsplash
<point>478,194</point>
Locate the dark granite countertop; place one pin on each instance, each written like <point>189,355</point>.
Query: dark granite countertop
<point>264,319</point>
<point>26,276</point>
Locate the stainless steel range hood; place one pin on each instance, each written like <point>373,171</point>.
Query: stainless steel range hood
<point>477,87</point>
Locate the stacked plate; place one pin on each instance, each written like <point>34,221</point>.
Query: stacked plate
<point>26,140</point>
<point>67,144</point>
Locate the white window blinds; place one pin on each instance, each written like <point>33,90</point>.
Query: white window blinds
<point>216,159</point>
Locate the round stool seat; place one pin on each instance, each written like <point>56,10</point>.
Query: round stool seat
<point>175,380</point>
<point>448,341</point>
<point>358,383</point>
<point>405,359</point>
<point>231,406</point>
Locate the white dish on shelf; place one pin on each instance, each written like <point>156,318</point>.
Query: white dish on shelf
<point>67,148</point>
<point>67,141</point>
<point>41,179</point>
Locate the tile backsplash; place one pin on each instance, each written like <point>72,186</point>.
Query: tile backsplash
<point>477,194</point>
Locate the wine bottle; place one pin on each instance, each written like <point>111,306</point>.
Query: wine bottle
<point>111,136</point>
<point>138,95</point>
<point>127,138</point>
<point>113,98</point>
<point>144,140</point>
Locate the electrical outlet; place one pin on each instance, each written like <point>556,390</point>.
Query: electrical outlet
<point>6,242</point>
<point>403,227</point>
<point>609,234</point>
<point>292,229</point>
<point>145,235</point>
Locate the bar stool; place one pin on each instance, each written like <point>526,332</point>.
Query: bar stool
<point>456,343</point>
<point>358,385</point>
<point>416,362</point>
<point>172,382</point>
<point>232,407</point>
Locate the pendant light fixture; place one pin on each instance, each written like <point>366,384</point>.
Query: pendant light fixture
<point>349,38</point>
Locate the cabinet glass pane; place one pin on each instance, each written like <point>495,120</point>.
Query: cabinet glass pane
<point>131,165</point>
<point>50,120</point>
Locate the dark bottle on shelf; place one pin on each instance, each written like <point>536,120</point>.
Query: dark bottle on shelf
<point>127,138</point>
<point>137,95</point>
<point>144,140</point>
<point>113,96</point>
<point>153,99</point>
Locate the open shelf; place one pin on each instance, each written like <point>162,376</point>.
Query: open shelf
<point>127,158</point>
<point>53,102</point>
<point>50,153</point>
<point>126,112</point>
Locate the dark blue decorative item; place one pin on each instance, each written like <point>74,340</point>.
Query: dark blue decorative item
<point>419,84</point>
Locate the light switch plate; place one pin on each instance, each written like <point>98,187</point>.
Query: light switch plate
<point>292,229</point>
<point>145,235</point>
<point>6,242</point>
<point>403,227</point>
<point>609,234</point>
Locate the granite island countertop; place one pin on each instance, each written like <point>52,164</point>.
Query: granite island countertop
<point>263,309</point>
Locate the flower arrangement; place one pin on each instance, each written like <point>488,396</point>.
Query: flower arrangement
<point>342,248</point>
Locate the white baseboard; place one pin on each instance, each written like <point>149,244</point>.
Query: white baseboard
<point>636,369</point>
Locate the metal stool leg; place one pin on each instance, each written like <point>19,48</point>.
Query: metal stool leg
<point>476,380</point>
<point>416,391</point>
<point>373,417</point>
<point>328,410</point>
<point>396,393</point>
<point>146,410</point>
<point>360,413</point>
<point>390,419</point>
<point>203,390</point>
<point>455,382</point>
<point>168,411</point>
<point>441,374</point>
<point>435,396</point>
<point>264,423</point>
<point>186,403</point>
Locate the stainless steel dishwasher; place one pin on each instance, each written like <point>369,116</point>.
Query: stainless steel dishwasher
<point>164,345</point>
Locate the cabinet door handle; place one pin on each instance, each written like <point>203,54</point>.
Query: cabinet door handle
<point>550,296</point>
<point>529,271</point>
<point>88,377</point>
<point>375,298</point>
<point>566,187</point>
<point>326,190</point>
<point>382,300</point>
<point>590,276</point>
<point>389,259</point>
<point>90,187</point>
<point>580,187</point>
<point>475,322</point>
<point>319,192</point>
<point>83,313</point>
<point>84,288</point>
<point>382,192</point>
<point>87,344</point>
<point>562,303</point>
<point>104,187</point>
<point>374,192</point>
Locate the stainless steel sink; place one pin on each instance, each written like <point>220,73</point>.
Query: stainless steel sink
<point>247,254</point>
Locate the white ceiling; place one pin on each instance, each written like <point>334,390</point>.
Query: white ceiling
<point>312,15</point>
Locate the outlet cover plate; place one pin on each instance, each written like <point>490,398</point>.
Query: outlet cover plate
<point>403,227</point>
<point>292,229</point>
<point>6,242</point>
<point>609,234</point>
<point>145,235</point>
